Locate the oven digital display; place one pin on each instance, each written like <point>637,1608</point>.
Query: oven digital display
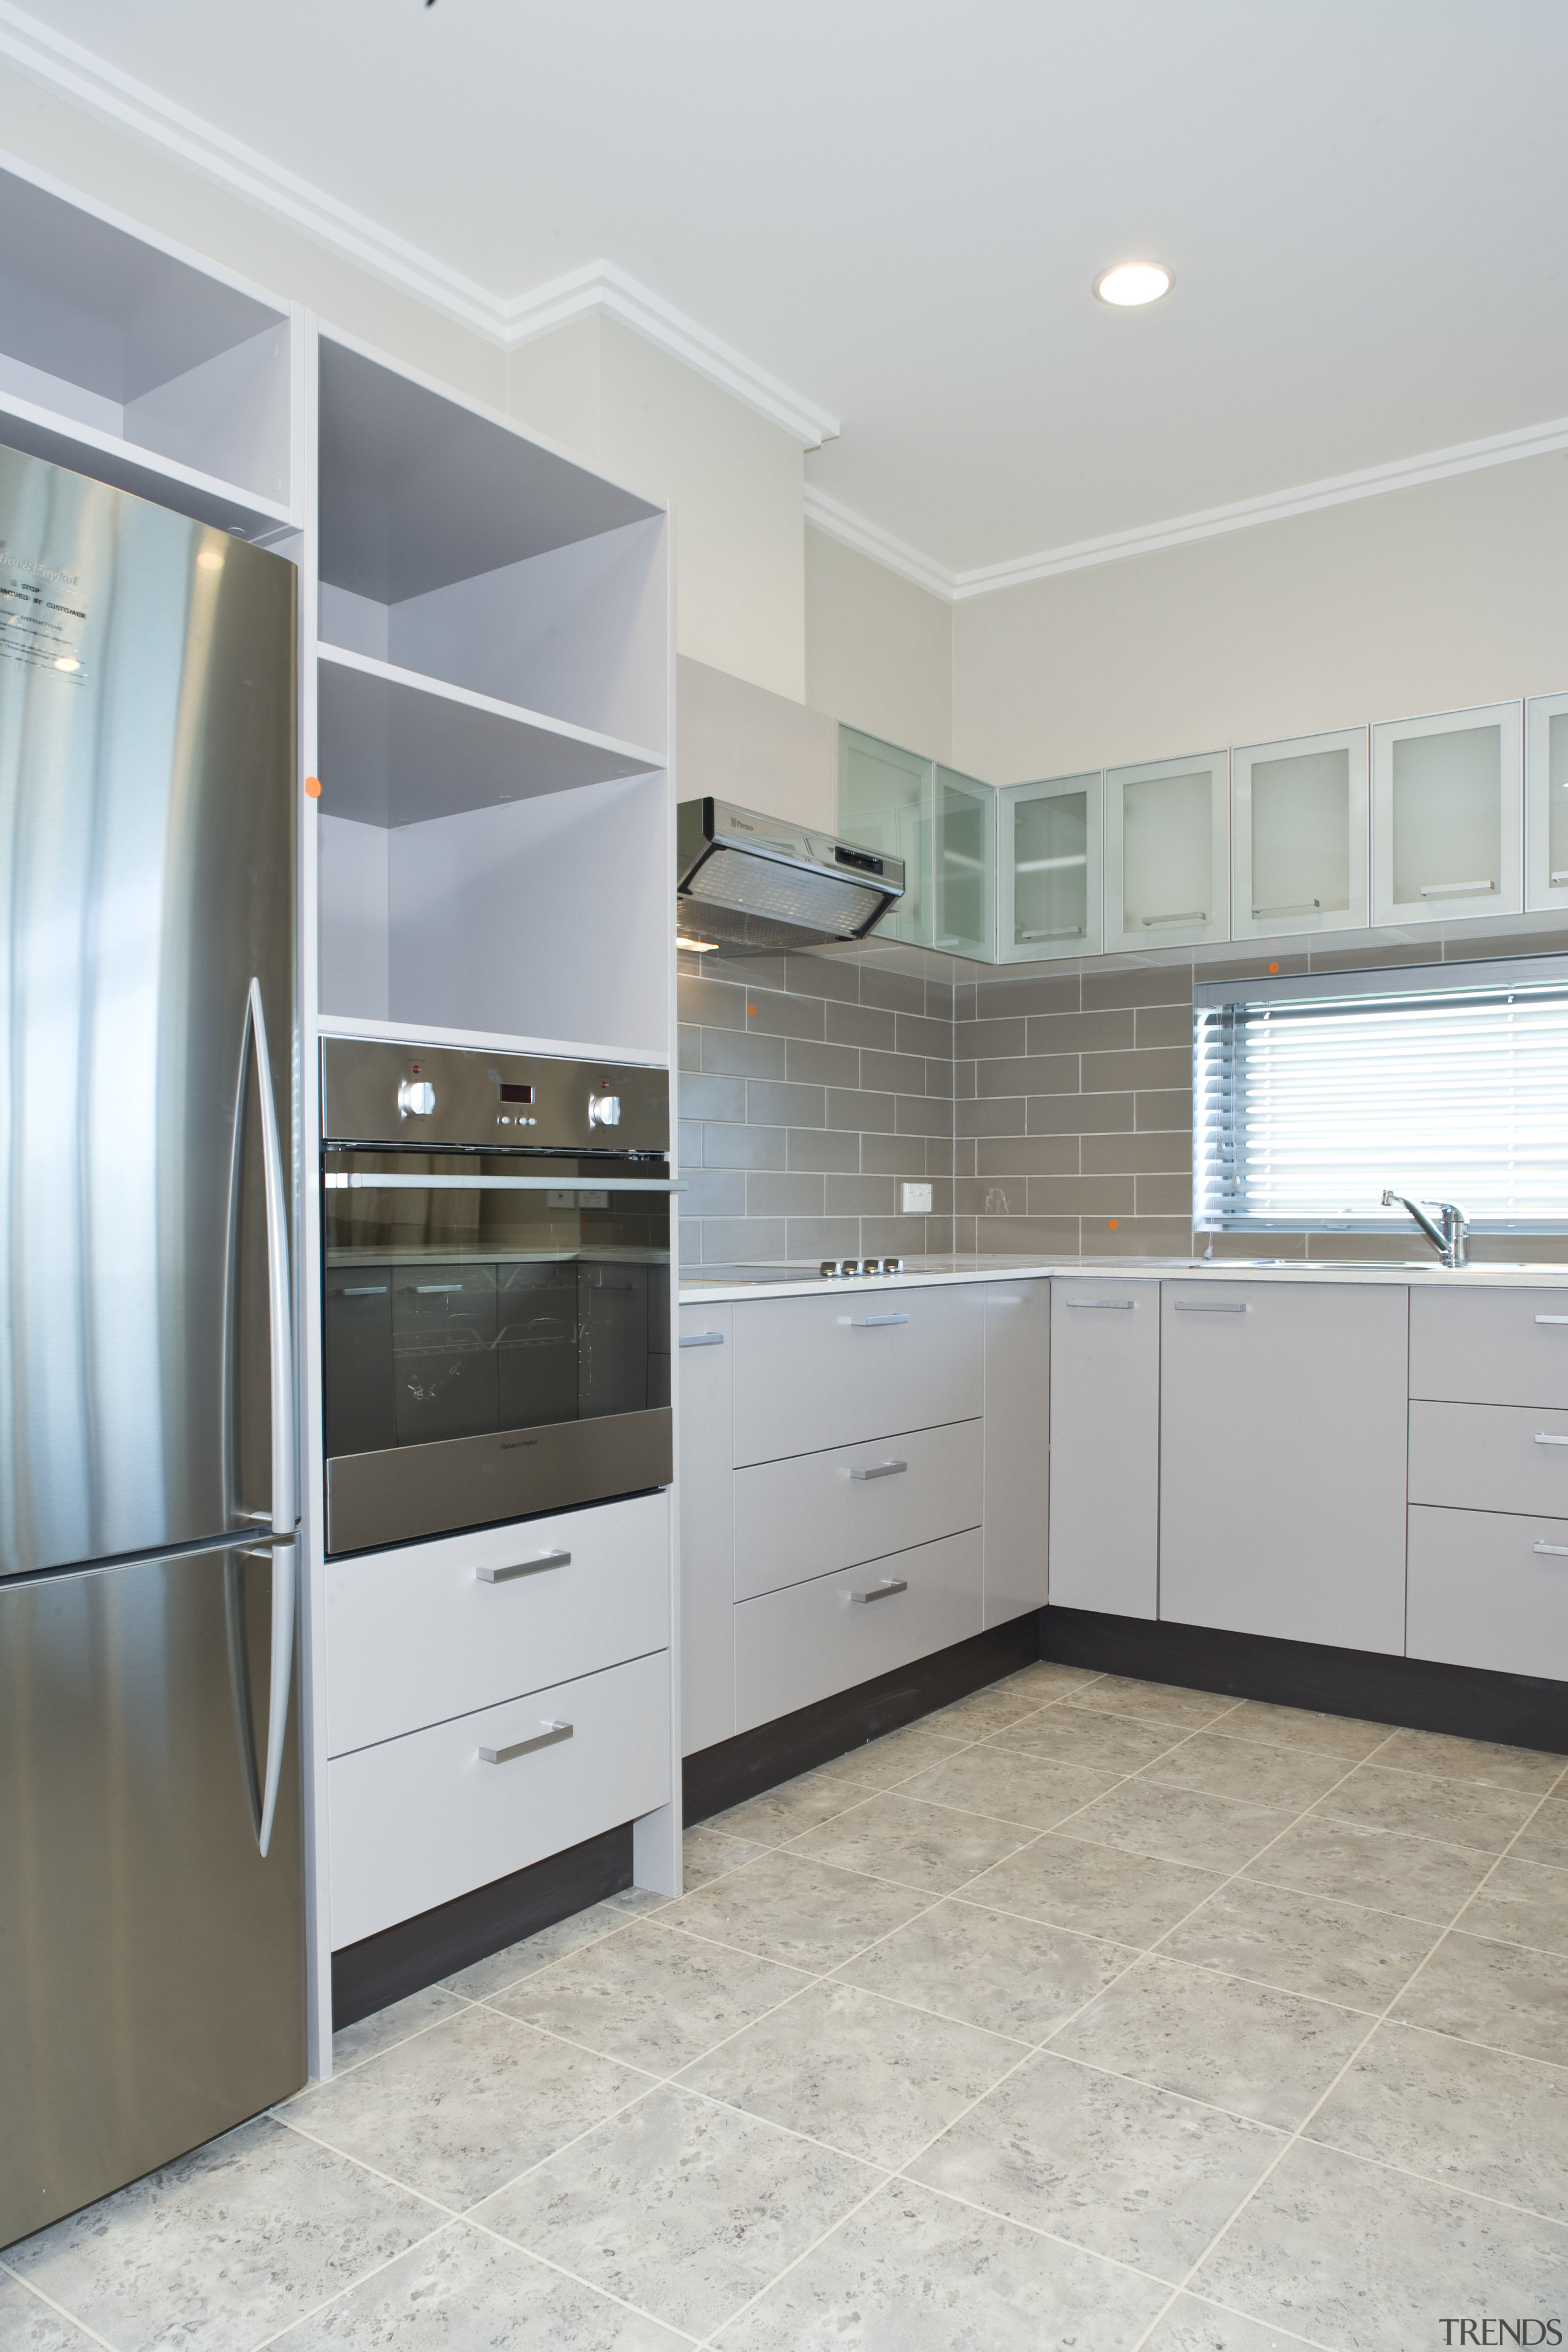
<point>517,1094</point>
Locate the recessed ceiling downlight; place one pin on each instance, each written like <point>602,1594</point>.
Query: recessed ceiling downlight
<point>1131,284</point>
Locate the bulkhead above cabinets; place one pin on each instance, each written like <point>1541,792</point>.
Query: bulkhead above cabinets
<point>1407,823</point>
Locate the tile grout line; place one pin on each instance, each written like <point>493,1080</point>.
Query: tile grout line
<point>1295,2137</point>
<point>364,2278</point>
<point>50,2305</point>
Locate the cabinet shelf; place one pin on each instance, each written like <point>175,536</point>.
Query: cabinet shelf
<point>397,748</point>
<point>484,1041</point>
<point>65,440</point>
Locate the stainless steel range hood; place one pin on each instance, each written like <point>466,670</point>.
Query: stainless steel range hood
<point>748,881</point>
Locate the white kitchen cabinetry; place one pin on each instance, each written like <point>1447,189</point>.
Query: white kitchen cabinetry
<point>832,1632</point>
<point>1546,802</point>
<point>1105,1446</point>
<point>418,1821</point>
<point>887,802</point>
<point>815,1513</point>
<point>1282,1460</point>
<point>965,865</point>
<point>1168,853</point>
<point>1299,836</point>
<point>1049,869</point>
<point>1017,1448</point>
<point>839,1367</point>
<point>1448,816</point>
<point>706,1492</point>
<point>1488,1478</point>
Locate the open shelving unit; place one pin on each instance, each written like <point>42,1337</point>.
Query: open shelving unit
<point>129,361</point>
<point>492,725</point>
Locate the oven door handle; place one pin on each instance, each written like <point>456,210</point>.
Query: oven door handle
<point>380,1182</point>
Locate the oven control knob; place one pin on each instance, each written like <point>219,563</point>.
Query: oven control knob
<point>604,1111</point>
<point>415,1099</point>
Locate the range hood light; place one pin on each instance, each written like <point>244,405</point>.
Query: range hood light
<point>696,947</point>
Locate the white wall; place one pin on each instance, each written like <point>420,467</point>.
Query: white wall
<point>1423,600</point>
<point>765,751</point>
<point>878,650</point>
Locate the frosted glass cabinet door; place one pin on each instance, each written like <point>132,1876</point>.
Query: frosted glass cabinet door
<point>1168,853</point>
<point>1447,815</point>
<point>1299,836</point>
<point>1546,802</point>
<point>886,801</point>
<point>1048,869</point>
<point>965,865</point>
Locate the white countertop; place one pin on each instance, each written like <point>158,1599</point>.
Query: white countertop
<point>781,1280</point>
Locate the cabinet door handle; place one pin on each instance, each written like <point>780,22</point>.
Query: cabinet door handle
<point>523,1568</point>
<point>883,1591</point>
<point>702,1339</point>
<point>549,1737</point>
<point>1455,889</point>
<point>378,1290</point>
<point>881,1470</point>
<point>1558,1551</point>
<point>1210,1306</point>
<point>875,1322</point>
<point>1297,906</point>
<point>1194,915</point>
<point>1105,1306</point>
<point>1063,931</point>
<point>1552,1318</point>
<point>1542,1438</point>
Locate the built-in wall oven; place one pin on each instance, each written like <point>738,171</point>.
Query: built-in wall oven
<point>496,1319</point>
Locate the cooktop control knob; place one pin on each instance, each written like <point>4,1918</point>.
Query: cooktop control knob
<point>604,1111</point>
<point>415,1099</point>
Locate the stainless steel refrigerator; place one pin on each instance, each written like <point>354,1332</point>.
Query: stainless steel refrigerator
<point>152,1945</point>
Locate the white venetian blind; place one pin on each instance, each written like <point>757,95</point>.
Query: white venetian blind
<point>1312,1095</point>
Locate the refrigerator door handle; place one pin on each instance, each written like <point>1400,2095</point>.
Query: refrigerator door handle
<point>285,1585</point>
<point>284,1504</point>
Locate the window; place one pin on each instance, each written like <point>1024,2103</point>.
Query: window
<point>1449,1082</point>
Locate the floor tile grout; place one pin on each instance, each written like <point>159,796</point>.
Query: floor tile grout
<point>50,2305</point>
<point>363,2279</point>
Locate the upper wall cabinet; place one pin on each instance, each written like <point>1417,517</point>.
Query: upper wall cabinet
<point>128,361</point>
<point>886,802</point>
<point>965,865</point>
<point>1546,802</point>
<point>1299,836</point>
<point>1167,857</point>
<point>1447,815</point>
<point>1048,869</point>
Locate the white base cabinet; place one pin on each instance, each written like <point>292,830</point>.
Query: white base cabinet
<point>1017,1448</point>
<point>705,1492</point>
<point>1105,1446</point>
<point>1282,1460</point>
<point>800,1644</point>
<point>1489,1589</point>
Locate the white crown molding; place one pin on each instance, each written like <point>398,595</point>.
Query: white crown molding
<point>838,522</point>
<point>599,288</point>
<point>841,522</point>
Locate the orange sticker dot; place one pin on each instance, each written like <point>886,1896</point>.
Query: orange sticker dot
<point>1273,967</point>
<point>1112,1223</point>
<point>751,1008</point>
<point>313,787</point>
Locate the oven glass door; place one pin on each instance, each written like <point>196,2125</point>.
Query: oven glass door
<point>474,1302</point>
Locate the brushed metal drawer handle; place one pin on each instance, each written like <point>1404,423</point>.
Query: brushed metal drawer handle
<point>523,1568</point>
<point>881,1470</point>
<point>1552,1318</point>
<point>885,1590</point>
<point>1194,915</point>
<point>1542,1438</point>
<point>1209,1306</point>
<point>1455,889</point>
<point>1558,1551</point>
<point>551,1737</point>
<point>1294,906</point>
<point>875,1322</point>
<point>1105,1306</point>
<point>702,1339</point>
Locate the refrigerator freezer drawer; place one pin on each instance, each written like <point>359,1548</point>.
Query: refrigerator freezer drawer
<point>420,1819</point>
<point>436,1630</point>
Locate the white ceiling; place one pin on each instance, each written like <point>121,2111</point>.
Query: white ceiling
<point>897,207</point>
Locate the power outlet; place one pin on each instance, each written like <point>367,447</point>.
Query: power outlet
<point>916,1200</point>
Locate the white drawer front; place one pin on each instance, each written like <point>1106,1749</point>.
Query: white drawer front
<point>804,1644</point>
<point>831,1370</point>
<point>1489,1458</point>
<point>418,1821</point>
<point>1490,1345</point>
<point>1482,1592</point>
<point>818,1512</point>
<point>419,1635</point>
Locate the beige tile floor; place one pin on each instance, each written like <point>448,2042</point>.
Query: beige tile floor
<point>1086,2013</point>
